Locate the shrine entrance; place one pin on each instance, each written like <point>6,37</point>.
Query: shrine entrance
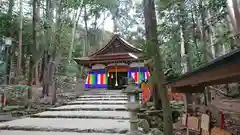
<point>117,77</point>
<point>117,80</point>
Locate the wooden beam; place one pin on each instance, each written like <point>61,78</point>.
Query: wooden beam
<point>188,89</point>
<point>81,62</point>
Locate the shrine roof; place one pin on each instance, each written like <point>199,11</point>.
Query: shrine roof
<point>215,72</point>
<point>117,49</point>
<point>117,41</point>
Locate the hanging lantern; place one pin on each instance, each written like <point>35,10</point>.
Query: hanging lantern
<point>108,74</point>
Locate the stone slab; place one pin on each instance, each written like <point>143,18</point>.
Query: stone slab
<point>99,102</point>
<point>104,92</point>
<point>117,114</point>
<point>67,124</point>
<point>18,132</point>
<point>6,118</point>
<point>103,98</point>
<point>86,106</point>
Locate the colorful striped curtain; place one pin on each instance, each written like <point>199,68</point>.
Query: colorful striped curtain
<point>96,79</point>
<point>140,76</point>
<point>101,79</point>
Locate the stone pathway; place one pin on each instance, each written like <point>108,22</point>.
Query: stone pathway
<point>95,113</point>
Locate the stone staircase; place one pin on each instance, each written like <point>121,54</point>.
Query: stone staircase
<point>98,112</point>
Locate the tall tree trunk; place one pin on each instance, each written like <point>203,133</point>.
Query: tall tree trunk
<point>10,60</point>
<point>214,48</point>
<point>236,7</point>
<point>206,54</point>
<point>56,41</point>
<point>185,48</point>
<point>86,39</point>
<point>193,16</point>
<point>234,17</point>
<point>45,75</point>
<point>49,33</point>
<point>85,49</point>
<point>154,54</point>
<point>204,24</point>
<point>37,30</point>
<point>33,48</point>
<point>10,7</point>
<point>19,63</point>
<point>78,14</point>
<point>115,15</point>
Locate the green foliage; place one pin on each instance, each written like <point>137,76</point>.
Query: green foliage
<point>8,25</point>
<point>170,15</point>
<point>130,21</point>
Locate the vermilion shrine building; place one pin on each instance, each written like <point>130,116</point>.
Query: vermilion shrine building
<point>112,65</point>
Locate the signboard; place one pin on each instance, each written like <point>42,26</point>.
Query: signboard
<point>193,123</point>
<point>219,131</point>
<point>98,66</point>
<point>205,122</point>
<point>132,99</point>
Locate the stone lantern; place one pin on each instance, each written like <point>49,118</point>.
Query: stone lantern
<point>133,106</point>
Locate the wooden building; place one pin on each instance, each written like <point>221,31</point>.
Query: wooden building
<point>110,66</point>
<point>223,70</point>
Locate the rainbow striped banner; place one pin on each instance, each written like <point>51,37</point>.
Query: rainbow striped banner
<point>140,76</point>
<point>101,79</point>
<point>147,75</point>
<point>96,79</point>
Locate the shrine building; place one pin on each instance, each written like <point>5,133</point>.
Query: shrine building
<point>111,66</point>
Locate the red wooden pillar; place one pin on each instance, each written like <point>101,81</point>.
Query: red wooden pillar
<point>222,120</point>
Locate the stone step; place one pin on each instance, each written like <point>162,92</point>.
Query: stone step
<point>113,99</point>
<point>68,125</point>
<point>19,132</point>
<point>4,118</point>
<point>98,102</point>
<point>104,93</point>
<point>79,117</point>
<point>88,107</point>
<point>103,96</point>
<point>84,114</point>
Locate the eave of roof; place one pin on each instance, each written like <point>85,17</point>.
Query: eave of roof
<point>220,60</point>
<point>112,56</point>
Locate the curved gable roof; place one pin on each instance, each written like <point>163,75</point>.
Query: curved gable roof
<point>123,42</point>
